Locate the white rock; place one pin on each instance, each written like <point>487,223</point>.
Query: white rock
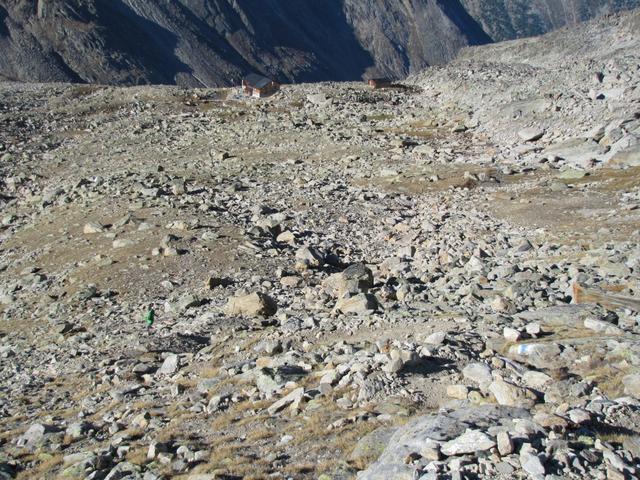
<point>479,373</point>
<point>469,442</point>
<point>531,134</point>
<point>511,334</point>
<point>170,365</point>
<point>532,464</point>
<point>92,227</point>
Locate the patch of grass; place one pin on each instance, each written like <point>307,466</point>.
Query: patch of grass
<point>301,469</point>
<point>348,438</point>
<point>137,455</point>
<point>259,434</point>
<point>44,469</point>
<point>614,437</point>
<point>608,379</point>
<point>235,415</point>
<point>234,459</point>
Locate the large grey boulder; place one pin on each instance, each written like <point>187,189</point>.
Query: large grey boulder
<point>441,427</point>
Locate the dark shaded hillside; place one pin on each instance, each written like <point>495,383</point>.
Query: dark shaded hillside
<point>215,42</point>
<point>510,19</point>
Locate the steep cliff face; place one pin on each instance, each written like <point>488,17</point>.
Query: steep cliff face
<point>510,19</point>
<point>214,42</point>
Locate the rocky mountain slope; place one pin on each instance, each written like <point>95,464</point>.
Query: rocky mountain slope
<point>194,42</point>
<point>510,19</point>
<point>215,42</point>
<point>436,281</point>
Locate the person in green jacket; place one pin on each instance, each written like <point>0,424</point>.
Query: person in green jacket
<point>149,317</point>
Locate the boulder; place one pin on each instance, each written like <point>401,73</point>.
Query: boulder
<point>511,395</point>
<point>469,442</point>
<point>443,427</point>
<point>479,373</point>
<point>254,304</point>
<point>632,385</point>
<point>355,279</point>
<point>362,303</point>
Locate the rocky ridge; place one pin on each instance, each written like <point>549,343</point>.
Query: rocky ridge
<point>435,281</point>
<point>208,43</point>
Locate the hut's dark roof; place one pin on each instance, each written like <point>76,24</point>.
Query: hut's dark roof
<point>257,81</point>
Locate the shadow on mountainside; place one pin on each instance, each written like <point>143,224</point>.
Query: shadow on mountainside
<point>4,31</point>
<point>140,41</point>
<point>315,29</point>
<point>458,14</point>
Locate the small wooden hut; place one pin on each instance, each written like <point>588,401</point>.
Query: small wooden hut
<point>254,85</point>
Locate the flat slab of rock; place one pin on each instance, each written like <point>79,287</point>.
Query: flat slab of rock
<point>577,151</point>
<point>443,427</point>
<point>530,134</point>
<point>293,400</point>
<point>469,442</point>
<point>626,158</point>
<point>562,315</point>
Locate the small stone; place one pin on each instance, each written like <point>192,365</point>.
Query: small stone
<point>459,392</point>
<point>308,258</point>
<point>77,430</point>
<point>536,380</point>
<point>286,237</point>
<point>505,444</point>
<point>551,421</point>
<point>141,420</point>
<point>579,416</point>
<point>155,448</point>
<point>511,334</point>
<point>436,338</point>
<point>170,365</point>
<point>431,451</point>
<point>122,243</point>
<point>502,305</point>
<point>533,329</point>
<point>394,365</point>
<point>34,435</point>
<point>354,279</point>
<point>214,403</point>
<point>92,227</point>
<point>505,469</point>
